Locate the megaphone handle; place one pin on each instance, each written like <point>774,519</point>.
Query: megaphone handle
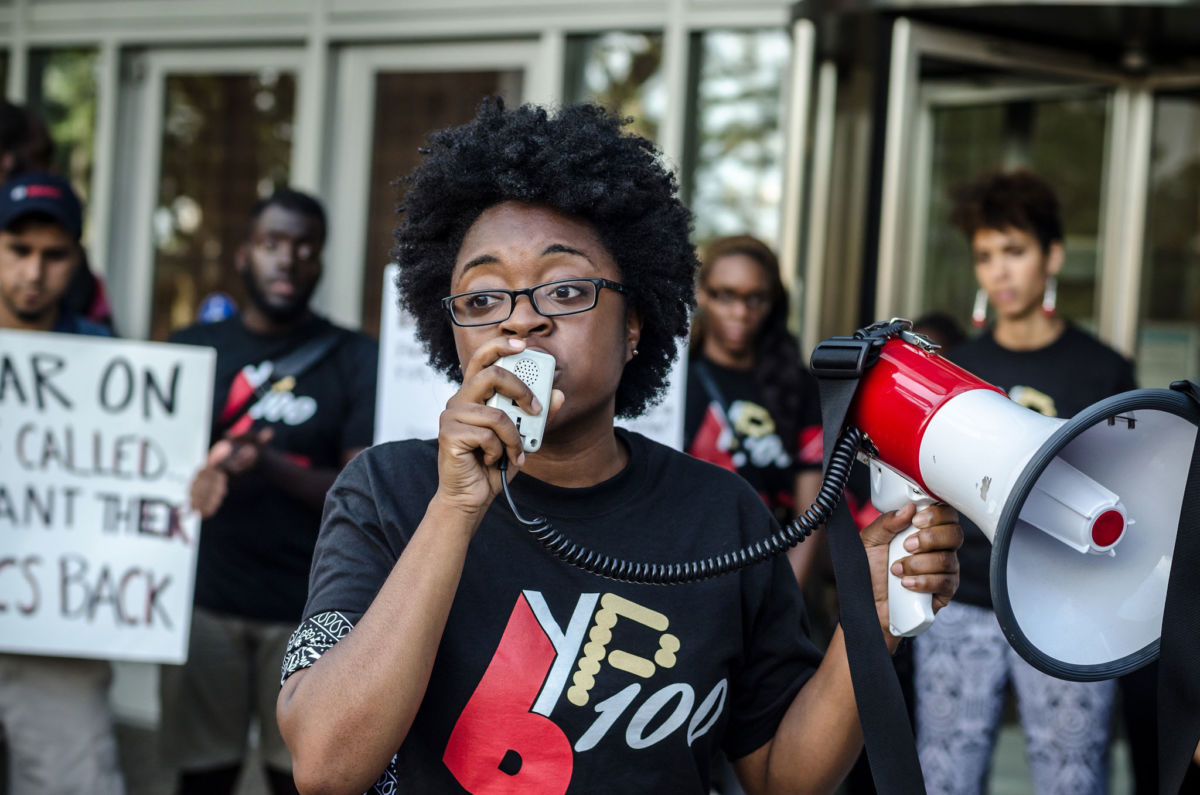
<point>909,613</point>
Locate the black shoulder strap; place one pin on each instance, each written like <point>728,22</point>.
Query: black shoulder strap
<point>716,396</point>
<point>292,365</point>
<point>700,367</point>
<point>1179,647</point>
<point>308,355</point>
<point>891,747</point>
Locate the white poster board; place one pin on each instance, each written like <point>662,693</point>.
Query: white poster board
<point>99,440</point>
<point>411,395</point>
<point>664,423</point>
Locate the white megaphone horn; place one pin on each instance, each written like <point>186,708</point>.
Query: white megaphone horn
<point>1082,513</point>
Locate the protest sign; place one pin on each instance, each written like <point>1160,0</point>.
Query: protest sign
<point>411,395</point>
<point>99,441</point>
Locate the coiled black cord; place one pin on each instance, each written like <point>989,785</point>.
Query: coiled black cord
<point>642,573</point>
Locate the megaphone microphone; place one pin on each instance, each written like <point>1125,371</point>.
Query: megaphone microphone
<point>1082,513</point>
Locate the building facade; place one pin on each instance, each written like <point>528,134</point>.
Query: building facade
<point>174,115</point>
<point>833,129</point>
<point>911,98</point>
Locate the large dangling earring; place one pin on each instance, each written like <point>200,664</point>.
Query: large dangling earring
<point>979,313</point>
<point>1050,297</point>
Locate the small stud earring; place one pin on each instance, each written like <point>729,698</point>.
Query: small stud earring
<point>635,351</point>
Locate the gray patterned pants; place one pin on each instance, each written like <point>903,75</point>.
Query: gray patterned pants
<point>962,665</point>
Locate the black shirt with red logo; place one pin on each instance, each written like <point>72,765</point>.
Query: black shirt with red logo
<point>551,679</point>
<point>256,550</point>
<point>733,429</point>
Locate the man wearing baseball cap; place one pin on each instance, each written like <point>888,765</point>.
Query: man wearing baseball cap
<point>40,223</point>
<point>54,711</point>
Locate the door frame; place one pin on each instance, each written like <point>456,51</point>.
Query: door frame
<point>1126,165</point>
<point>930,99</point>
<point>351,144</point>
<point>137,185</point>
<point>906,138</point>
<point>1130,158</point>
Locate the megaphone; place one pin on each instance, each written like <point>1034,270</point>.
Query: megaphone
<point>1082,514</point>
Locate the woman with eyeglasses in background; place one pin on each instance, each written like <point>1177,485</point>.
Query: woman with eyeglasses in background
<point>752,407</point>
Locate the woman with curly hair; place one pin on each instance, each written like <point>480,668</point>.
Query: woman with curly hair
<point>443,649</point>
<point>751,406</point>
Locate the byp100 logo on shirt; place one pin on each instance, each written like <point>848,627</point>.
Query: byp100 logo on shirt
<point>280,404</point>
<point>504,739</point>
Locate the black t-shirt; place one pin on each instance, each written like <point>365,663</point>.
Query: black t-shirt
<point>256,550</point>
<point>1059,380</point>
<point>733,429</point>
<point>548,678</point>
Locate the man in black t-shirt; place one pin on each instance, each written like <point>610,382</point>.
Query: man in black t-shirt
<point>963,663</point>
<point>294,400</point>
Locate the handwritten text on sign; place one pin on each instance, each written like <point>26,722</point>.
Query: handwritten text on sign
<point>99,440</point>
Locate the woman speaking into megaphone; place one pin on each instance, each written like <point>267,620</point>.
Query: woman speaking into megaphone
<point>444,649</point>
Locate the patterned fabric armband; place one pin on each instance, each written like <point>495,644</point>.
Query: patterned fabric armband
<point>311,639</point>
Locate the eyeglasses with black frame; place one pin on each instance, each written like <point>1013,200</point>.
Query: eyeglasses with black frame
<point>755,302</point>
<point>551,299</point>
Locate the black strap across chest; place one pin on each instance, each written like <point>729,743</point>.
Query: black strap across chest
<point>891,746</point>
<point>291,365</point>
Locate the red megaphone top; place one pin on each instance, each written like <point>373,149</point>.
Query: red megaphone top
<point>899,395</point>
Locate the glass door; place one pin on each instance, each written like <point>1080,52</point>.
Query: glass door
<point>1168,335</point>
<point>208,133</point>
<point>1122,152</point>
<point>388,100</point>
<point>961,105</point>
<point>990,123</point>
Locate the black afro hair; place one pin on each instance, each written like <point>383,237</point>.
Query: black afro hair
<point>579,163</point>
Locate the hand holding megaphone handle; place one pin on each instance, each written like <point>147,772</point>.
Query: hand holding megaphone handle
<point>909,612</point>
